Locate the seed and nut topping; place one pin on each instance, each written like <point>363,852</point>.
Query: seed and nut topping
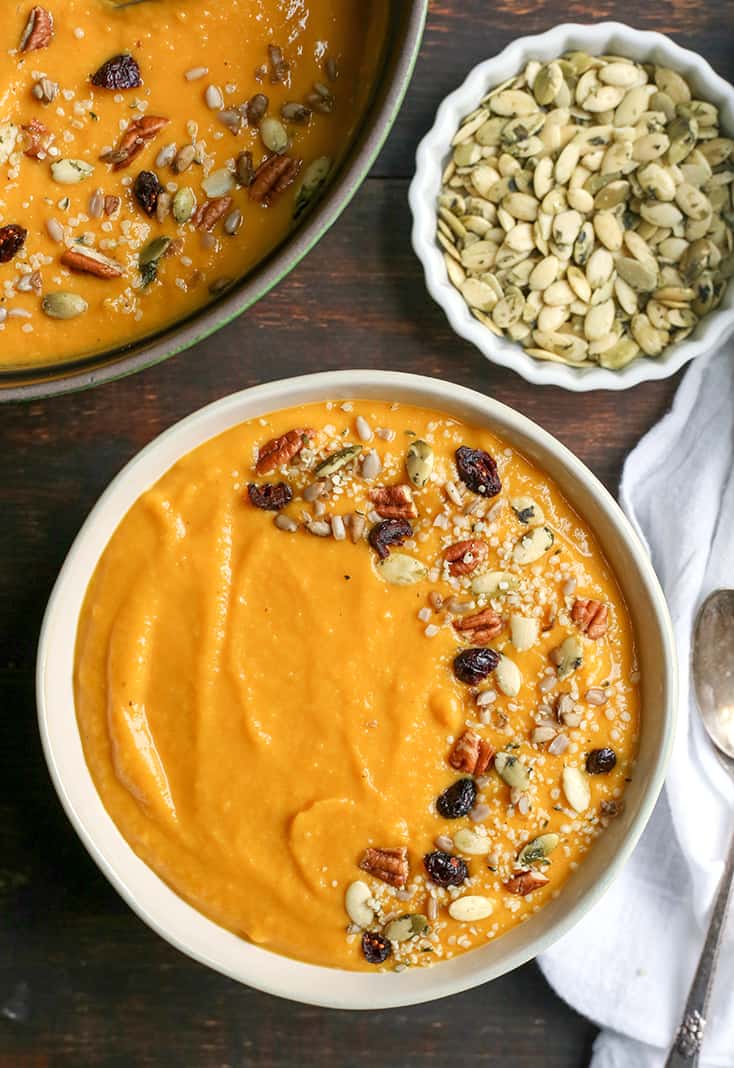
<point>389,865</point>
<point>493,571</point>
<point>471,753</point>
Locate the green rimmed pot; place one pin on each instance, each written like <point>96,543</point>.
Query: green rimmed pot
<point>404,33</point>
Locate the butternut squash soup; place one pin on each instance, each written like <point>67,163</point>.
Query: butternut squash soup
<point>357,682</point>
<point>152,151</point>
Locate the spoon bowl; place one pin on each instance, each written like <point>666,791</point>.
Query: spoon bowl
<point>713,668</point>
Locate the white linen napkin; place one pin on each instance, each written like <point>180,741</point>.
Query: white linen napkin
<point>629,963</point>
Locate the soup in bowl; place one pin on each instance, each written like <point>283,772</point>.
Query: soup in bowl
<point>380,689</point>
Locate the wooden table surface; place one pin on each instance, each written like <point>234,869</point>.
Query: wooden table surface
<point>82,980</point>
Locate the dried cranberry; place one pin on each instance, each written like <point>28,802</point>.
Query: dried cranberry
<point>120,72</point>
<point>270,496</point>
<point>600,761</point>
<point>457,799</point>
<point>375,947</point>
<point>389,532</point>
<point>445,870</point>
<point>147,189</point>
<point>12,239</point>
<point>473,665</point>
<point>478,471</point>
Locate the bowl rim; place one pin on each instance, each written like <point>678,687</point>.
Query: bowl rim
<point>289,978</point>
<point>432,152</point>
<point>368,140</point>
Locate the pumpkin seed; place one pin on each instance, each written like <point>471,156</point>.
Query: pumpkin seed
<point>471,843</point>
<point>337,460</point>
<point>494,583</point>
<point>356,903</point>
<point>547,84</point>
<point>71,171</point>
<point>63,305</point>
<point>400,569</point>
<point>153,251</point>
<point>576,788</point>
<point>184,204</point>
<point>405,927</point>
<point>419,462</point>
<point>533,545</point>
<point>524,632</point>
<point>470,908</point>
<point>274,135</point>
<point>568,657</point>
<point>219,183</point>
<point>638,275</point>
<point>538,851</point>
<point>508,677</point>
<point>512,770</point>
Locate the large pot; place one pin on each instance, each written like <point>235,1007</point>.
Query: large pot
<point>405,29</point>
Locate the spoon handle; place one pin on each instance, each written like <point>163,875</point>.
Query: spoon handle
<point>686,1048</point>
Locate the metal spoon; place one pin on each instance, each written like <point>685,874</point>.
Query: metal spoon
<point>713,680</point>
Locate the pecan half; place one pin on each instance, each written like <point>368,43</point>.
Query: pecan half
<point>465,556</point>
<point>36,139</point>
<point>273,176</point>
<point>281,450</point>
<point>38,32</point>
<point>481,627</point>
<point>471,753</point>
<point>590,616</point>
<point>524,882</point>
<point>87,261</point>
<point>390,865</point>
<point>139,133</point>
<point>394,502</point>
<point>208,214</point>
<point>12,239</point>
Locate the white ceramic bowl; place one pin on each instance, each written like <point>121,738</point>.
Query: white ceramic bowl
<point>433,154</point>
<point>177,921</point>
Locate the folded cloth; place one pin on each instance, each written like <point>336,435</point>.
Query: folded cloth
<point>628,965</point>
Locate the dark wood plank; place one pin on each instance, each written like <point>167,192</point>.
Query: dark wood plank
<point>82,980</point>
<point>460,35</point>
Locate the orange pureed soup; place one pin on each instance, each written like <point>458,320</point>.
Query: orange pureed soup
<point>357,682</point>
<point>151,153</point>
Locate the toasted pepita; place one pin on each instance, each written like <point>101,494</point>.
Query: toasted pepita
<point>400,569</point>
<point>576,788</point>
<point>405,927</point>
<point>538,851</point>
<point>494,583</point>
<point>419,461</point>
<point>357,903</point>
<point>524,632</point>
<point>71,171</point>
<point>337,460</point>
<point>508,677</point>
<point>568,657</point>
<point>61,304</point>
<point>533,545</point>
<point>512,770</point>
<point>470,908</point>
<point>471,843</point>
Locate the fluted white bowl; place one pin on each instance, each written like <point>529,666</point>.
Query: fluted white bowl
<point>433,154</point>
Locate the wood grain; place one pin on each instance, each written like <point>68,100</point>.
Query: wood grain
<point>82,981</point>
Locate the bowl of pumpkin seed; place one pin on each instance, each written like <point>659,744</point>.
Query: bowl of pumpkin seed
<point>573,207</point>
